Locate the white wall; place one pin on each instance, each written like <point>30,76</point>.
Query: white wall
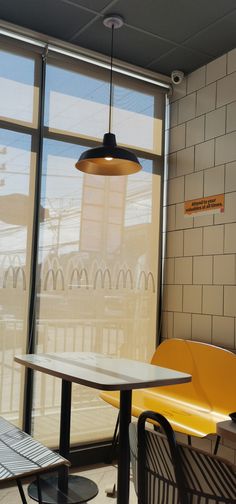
<point>200,273</point>
<point>200,262</point>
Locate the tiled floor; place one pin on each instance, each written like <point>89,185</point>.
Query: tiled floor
<point>104,476</point>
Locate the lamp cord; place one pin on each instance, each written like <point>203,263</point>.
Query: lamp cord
<point>111,78</point>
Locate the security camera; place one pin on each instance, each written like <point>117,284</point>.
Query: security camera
<point>177,76</point>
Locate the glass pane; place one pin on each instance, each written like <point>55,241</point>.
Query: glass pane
<point>16,215</point>
<point>98,290</point>
<point>18,94</point>
<point>77,104</point>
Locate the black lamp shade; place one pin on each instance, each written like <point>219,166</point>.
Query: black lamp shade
<point>109,159</point>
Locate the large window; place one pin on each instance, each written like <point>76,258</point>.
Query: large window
<point>98,246</point>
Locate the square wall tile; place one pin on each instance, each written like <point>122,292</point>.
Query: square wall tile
<point>223,331</point>
<point>187,108</point>
<point>170,217</point>
<point>230,239</point>
<point>193,242</point>
<point>169,265</point>
<point>179,91</point>
<point>226,90</point>
<point>185,161</point>
<point>231,117</point>
<point>225,149</point>
<point>182,325</point>
<point>213,240</point>
<point>167,325</point>
<point>215,123</point>
<point>206,99</point>
<point>177,138</point>
<point>216,69</point>
<point>194,186</point>
<point>183,221</point>
<point>192,298</point>
<point>214,179</point>
<point>175,189</point>
<point>201,328</point>
<point>171,165</point>
<point>173,113</point>
<point>230,177</point>
<point>212,300</point>
<point>229,214</point>
<point>195,131</point>
<point>202,270</point>
<point>230,301</point>
<point>183,270</point>
<point>203,220</point>
<point>172,298</point>
<point>174,244</point>
<point>224,270</point>
<point>231,61</point>
<point>196,79</point>
<point>204,155</point>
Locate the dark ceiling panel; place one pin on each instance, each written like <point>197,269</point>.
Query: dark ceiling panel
<point>95,5</point>
<point>179,59</point>
<point>51,17</point>
<point>217,39</point>
<point>136,48</point>
<point>175,20</point>
<point>158,34</point>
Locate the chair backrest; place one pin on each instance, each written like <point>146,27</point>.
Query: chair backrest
<point>169,473</point>
<point>213,371</point>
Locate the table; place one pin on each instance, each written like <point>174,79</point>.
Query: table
<point>103,373</point>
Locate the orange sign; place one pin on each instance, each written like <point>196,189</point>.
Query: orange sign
<point>214,204</point>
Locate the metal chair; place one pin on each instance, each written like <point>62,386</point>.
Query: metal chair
<point>166,472</point>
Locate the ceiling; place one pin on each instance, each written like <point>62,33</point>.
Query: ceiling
<point>160,35</point>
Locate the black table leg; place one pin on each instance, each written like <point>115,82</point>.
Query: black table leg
<point>124,454</point>
<point>64,489</point>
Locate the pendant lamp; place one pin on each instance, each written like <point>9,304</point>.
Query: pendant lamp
<point>109,158</point>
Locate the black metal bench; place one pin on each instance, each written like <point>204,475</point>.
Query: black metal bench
<point>22,456</point>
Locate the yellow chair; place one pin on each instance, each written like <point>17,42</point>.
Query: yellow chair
<point>192,408</point>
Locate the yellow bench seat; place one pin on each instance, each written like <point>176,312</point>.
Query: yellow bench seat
<point>193,408</point>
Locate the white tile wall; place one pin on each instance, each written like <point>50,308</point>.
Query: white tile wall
<point>224,270</point>
<point>215,123</point>
<point>216,69</point>
<point>177,138</point>
<point>223,331</point>
<point>192,298</point>
<point>167,324</point>
<point>214,181</point>
<point>176,190</point>
<point>226,90</point>
<point>230,177</point>
<point>187,108</point>
<point>201,328</point>
<point>182,325</point>
<point>185,161</point>
<point>230,301</point>
<point>212,300</point>
<point>206,99</point>
<point>231,61</point>
<point>196,80</point>
<point>202,270</point>
<point>195,131</point>
<point>230,238</point>
<point>193,242</point>
<point>169,276</point>
<point>231,117</point>
<point>184,270</point>
<point>194,186</point>
<point>204,155</point>
<point>213,240</point>
<point>202,297</point>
